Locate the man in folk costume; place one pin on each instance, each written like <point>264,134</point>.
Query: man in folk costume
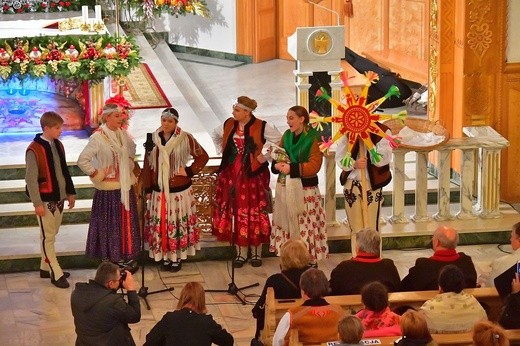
<point>377,176</point>
<point>171,222</point>
<point>108,159</point>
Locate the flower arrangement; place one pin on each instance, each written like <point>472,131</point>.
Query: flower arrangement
<point>124,106</point>
<point>22,6</point>
<point>81,58</point>
<point>147,10</point>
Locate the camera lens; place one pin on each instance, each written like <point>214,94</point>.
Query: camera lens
<point>122,278</point>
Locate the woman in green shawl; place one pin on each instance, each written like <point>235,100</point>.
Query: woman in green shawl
<point>298,210</point>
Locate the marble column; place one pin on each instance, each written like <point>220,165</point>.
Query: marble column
<point>467,176</point>
<point>398,176</point>
<point>443,192</point>
<point>421,187</point>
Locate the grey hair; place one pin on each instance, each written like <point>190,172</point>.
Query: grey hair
<point>368,240</point>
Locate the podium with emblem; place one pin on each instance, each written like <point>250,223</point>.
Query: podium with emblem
<point>318,52</point>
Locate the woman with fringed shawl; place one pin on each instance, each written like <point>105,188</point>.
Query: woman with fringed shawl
<point>243,196</point>
<point>108,159</point>
<point>171,228</point>
<point>298,209</point>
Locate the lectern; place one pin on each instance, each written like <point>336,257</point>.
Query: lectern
<point>318,52</point>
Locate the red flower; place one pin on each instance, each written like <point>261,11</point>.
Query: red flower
<point>61,3</point>
<point>20,10</point>
<point>67,3</point>
<point>44,5</point>
<point>26,5</point>
<point>53,4</point>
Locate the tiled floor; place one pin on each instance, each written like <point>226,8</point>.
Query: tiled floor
<point>34,312</point>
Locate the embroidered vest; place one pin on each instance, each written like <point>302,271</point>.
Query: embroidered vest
<point>254,142</point>
<point>315,324</point>
<point>379,176</point>
<point>47,181</point>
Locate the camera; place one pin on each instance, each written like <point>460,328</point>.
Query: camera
<point>122,278</point>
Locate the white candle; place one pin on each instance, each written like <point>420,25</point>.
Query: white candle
<point>84,13</point>
<point>97,10</point>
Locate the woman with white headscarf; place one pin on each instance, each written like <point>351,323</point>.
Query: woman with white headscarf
<point>171,226</point>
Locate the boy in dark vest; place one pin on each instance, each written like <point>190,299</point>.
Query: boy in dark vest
<point>48,185</point>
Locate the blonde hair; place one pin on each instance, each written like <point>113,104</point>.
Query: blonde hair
<point>414,326</point>
<point>350,329</point>
<point>294,254</point>
<point>487,333</point>
<point>108,109</point>
<point>192,296</point>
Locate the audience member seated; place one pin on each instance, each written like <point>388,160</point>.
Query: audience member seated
<point>316,320</point>
<point>414,330</point>
<point>294,260</point>
<point>423,275</point>
<point>350,331</point>
<point>510,317</point>
<point>452,310</point>
<point>189,324</point>
<point>351,275</point>
<point>501,264</point>
<point>486,333</point>
<point>376,316</point>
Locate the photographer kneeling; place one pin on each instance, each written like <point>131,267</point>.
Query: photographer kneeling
<point>101,316</point>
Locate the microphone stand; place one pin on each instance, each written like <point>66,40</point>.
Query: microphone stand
<point>232,287</point>
<point>143,291</point>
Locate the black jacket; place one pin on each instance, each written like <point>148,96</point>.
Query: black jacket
<point>283,289</point>
<point>101,316</point>
<point>510,317</point>
<point>187,328</point>
<point>423,276</point>
<point>351,275</point>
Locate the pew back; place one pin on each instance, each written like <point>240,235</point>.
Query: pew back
<point>276,308</point>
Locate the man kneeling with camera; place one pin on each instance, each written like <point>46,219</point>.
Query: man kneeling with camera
<point>101,316</point>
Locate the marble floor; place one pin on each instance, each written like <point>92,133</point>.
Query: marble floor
<point>34,312</point>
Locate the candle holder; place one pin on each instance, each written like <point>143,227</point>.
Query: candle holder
<point>85,27</point>
<point>99,27</point>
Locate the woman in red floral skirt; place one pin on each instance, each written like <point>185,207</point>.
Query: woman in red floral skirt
<point>243,196</point>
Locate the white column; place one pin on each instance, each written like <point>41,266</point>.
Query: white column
<point>467,178</point>
<point>421,187</point>
<point>398,176</point>
<point>490,184</point>
<point>443,194</point>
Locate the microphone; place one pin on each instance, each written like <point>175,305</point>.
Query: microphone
<point>316,3</point>
<point>148,145</point>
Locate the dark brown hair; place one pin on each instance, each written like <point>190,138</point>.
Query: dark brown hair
<point>374,296</point>
<point>314,283</point>
<point>301,112</point>
<point>50,119</point>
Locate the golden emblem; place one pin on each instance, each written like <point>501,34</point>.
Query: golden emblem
<point>321,42</point>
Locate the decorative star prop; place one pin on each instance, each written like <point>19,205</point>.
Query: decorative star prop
<point>357,118</point>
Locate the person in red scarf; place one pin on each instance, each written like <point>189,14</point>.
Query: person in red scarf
<point>423,275</point>
<point>299,211</point>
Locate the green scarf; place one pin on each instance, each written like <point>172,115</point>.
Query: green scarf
<point>299,150</point>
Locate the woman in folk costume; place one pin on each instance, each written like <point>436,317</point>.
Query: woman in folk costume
<point>243,197</point>
<point>298,209</point>
<point>171,223</point>
<point>108,159</point>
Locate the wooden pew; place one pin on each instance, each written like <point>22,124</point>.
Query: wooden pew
<point>276,308</point>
